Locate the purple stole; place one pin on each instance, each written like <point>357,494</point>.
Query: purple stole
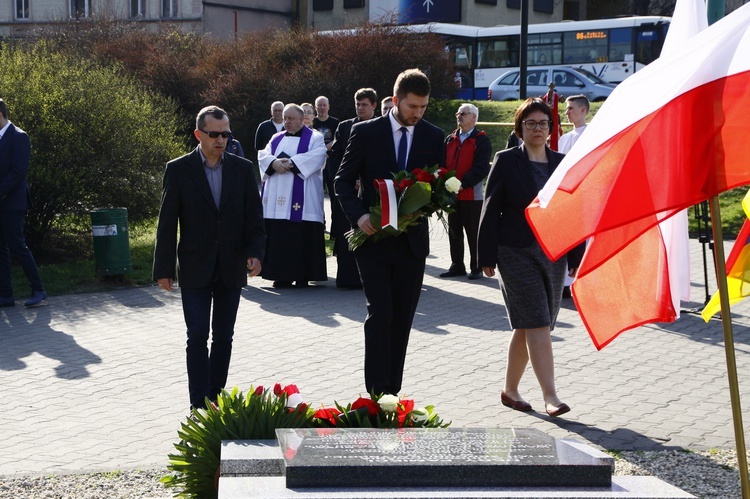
<point>298,187</point>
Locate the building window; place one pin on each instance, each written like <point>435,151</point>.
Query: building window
<point>513,4</point>
<point>80,8</point>
<point>545,6</point>
<point>169,8</point>
<point>137,8</point>
<point>486,2</point>
<point>22,9</point>
<point>354,4</point>
<point>319,5</point>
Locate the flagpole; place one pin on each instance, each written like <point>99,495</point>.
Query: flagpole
<point>726,322</point>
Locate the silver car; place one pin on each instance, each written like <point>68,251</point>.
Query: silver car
<point>568,81</point>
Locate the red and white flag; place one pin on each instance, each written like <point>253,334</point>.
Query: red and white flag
<point>670,136</point>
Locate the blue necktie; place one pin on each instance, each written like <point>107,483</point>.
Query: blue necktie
<point>401,158</point>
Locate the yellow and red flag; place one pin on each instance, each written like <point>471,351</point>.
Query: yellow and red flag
<point>738,268</point>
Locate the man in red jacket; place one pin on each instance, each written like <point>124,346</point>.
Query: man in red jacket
<point>467,151</point>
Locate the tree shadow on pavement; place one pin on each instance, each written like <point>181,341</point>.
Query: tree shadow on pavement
<point>29,332</point>
<point>321,303</point>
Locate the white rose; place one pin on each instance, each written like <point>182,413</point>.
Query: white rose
<point>388,403</point>
<point>453,185</point>
<point>294,400</point>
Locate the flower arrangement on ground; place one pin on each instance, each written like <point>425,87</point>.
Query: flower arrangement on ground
<point>234,416</point>
<point>255,416</point>
<point>379,411</point>
<point>406,198</point>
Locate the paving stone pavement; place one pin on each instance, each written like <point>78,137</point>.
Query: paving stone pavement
<point>97,381</point>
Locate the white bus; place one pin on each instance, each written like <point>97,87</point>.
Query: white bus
<point>613,49</point>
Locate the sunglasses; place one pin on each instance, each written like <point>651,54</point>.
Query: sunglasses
<point>225,134</point>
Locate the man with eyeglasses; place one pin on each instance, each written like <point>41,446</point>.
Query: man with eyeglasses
<point>213,198</point>
<point>467,152</point>
<point>291,168</point>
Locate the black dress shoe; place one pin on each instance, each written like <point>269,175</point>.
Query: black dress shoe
<point>453,273</point>
<point>477,274</point>
<point>282,284</point>
<point>37,298</point>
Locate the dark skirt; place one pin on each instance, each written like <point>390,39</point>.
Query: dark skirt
<point>295,251</point>
<point>532,286</point>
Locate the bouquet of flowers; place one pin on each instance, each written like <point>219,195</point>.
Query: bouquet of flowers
<point>379,411</point>
<point>256,414</point>
<point>422,191</point>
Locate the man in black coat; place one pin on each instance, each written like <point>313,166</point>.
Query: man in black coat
<point>347,274</point>
<point>270,127</point>
<point>15,154</point>
<point>391,269</point>
<point>213,197</point>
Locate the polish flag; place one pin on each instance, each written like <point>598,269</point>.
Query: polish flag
<point>670,136</point>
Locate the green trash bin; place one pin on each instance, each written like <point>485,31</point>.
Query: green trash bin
<point>111,242</point>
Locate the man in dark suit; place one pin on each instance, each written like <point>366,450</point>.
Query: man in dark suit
<point>213,197</point>
<point>391,269</point>
<point>347,274</point>
<point>269,128</point>
<point>15,152</point>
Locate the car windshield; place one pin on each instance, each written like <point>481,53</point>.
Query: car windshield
<point>591,76</point>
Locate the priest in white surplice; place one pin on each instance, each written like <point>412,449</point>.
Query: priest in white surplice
<point>291,169</point>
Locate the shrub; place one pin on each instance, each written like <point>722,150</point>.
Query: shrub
<point>246,76</point>
<point>98,139</point>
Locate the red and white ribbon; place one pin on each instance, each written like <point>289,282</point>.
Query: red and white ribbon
<point>388,204</point>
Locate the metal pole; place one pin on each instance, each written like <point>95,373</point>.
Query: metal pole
<point>523,56</point>
<point>715,11</point>
<point>726,322</point>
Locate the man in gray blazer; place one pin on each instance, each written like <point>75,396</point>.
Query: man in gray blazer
<point>214,198</point>
<point>15,152</point>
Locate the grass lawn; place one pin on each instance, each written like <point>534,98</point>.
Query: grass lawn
<point>79,276</point>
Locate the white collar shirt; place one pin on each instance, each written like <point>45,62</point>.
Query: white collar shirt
<point>396,128</point>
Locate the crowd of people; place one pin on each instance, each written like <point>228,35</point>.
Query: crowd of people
<point>216,227</point>
<point>302,152</point>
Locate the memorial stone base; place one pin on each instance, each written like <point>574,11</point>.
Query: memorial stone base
<point>425,463</point>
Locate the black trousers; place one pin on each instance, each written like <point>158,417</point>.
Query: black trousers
<point>207,372</point>
<point>12,242</point>
<point>464,219</point>
<point>392,279</point>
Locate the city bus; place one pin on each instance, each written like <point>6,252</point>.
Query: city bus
<point>612,49</point>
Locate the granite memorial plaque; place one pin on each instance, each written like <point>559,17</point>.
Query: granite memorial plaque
<point>432,457</point>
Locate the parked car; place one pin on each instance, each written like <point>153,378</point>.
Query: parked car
<point>568,81</point>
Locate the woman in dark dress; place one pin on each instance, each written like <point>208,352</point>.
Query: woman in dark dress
<point>531,284</point>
